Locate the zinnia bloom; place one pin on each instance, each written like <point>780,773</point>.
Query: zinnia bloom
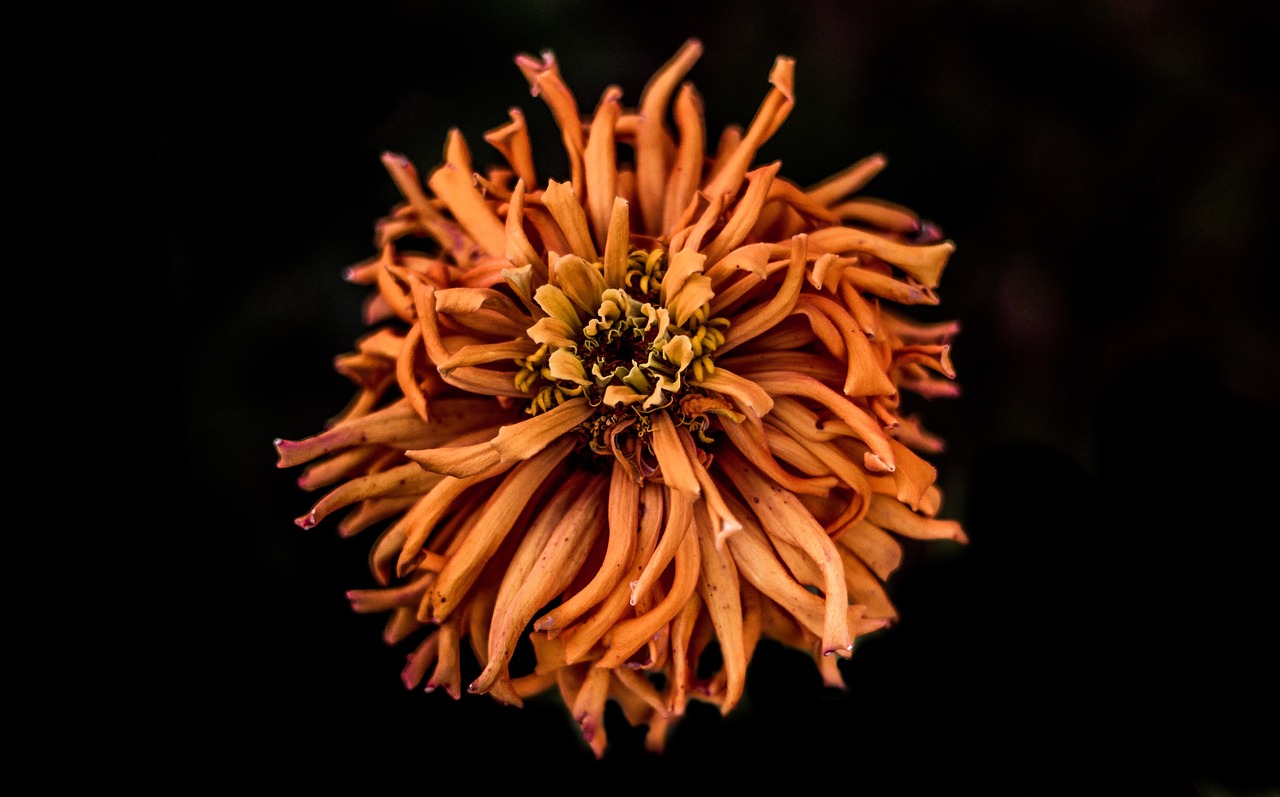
<point>623,419</point>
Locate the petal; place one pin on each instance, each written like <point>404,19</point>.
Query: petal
<point>782,515</point>
<point>522,440</point>
<point>838,186</point>
<point>925,263</point>
<point>617,245</point>
<point>457,461</point>
<point>773,111</point>
<point>549,555</point>
<point>494,522</point>
<point>874,546</point>
<point>761,318</point>
<point>458,191</point>
<point>623,521</point>
<point>545,81</point>
<point>745,213</point>
<point>680,267</point>
<point>518,248</point>
<point>718,585</point>
<point>512,140</point>
<point>750,257</point>
<point>559,199</point>
<point>864,376</point>
<point>552,332</point>
<point>557,305</point>
<point>880,457</point>
<point>483,354</point>
<point>630,635</point>
<point>406,179</point>
<point>686,170</point>
<point>679,517</point>
<point>745,393</point>
<point>562,364</point>
<point>673,461</point>
<point>581,638</point>
<point>651,136</point>
<point>599,162</point>
<point>581,282</point>
<point>890,513</point>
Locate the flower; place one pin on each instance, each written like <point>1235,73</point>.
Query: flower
<point>622,420</point>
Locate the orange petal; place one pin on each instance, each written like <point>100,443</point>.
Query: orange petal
<point>617,245</point>
<point>518,249</point>
<point>745,212</point>
<point>488,353</point>
<point>458,191</point>
<point>512,140</point>
<point>630,635</point>
<point>890,513</point>
<point>874,546</point>
<point>545,81</point>
<point>686,170</point>
<point>721,593</point>
<point>581,282</point>
<point>838,186</point>
<point>747,394</point>
<point>751,443</point>
<point>546,560</point>
<point>600,162</point>
<point>925,263</point>
<point>623,520</point>
<point>773,111</point>
<point>678,520</point>
<point>456,461</point>
<point>493,523</point>
<point>650,147</point>
<point>782,514</point>
<point>879,458</point>
<point>761,318</point>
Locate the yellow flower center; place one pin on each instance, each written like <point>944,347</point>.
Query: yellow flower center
<point>630,359</point>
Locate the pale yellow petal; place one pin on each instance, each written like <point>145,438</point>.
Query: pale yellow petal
<point>557,305</point>
<point>581,282</point>
<point>563,205</point>
<point>617,245</point>
<point>552,332</point>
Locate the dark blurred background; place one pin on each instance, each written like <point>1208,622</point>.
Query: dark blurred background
<point>1108,171</point>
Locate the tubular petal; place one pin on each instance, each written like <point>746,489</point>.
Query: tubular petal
<point>492,526</point>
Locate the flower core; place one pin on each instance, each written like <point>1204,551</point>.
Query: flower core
<point>626,352</point>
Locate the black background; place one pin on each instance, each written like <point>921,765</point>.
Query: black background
<point>1108,173</point>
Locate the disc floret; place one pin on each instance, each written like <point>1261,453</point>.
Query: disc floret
<point>629,358</point>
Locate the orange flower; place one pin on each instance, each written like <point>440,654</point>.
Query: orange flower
<point>624,419</point>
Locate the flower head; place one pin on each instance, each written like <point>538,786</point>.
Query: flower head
<point>630,416</point>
